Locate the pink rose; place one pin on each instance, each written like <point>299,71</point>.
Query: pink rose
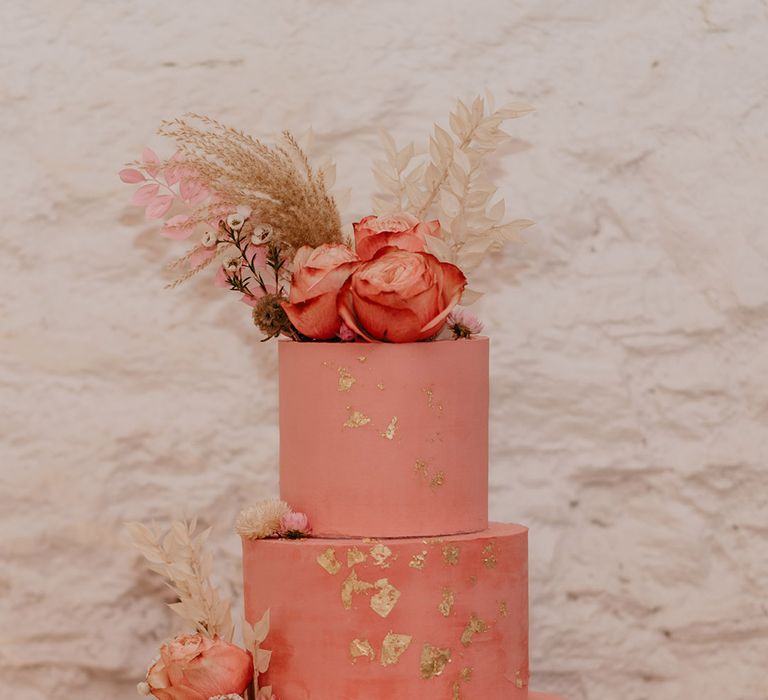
<point>400,297</point>
<point>193,667</point>
<point>318,275</point>
<point>294,524</point>
<point>401,230</point>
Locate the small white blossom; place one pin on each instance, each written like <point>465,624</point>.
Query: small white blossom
<point>263,233</point>
<point>143,688</point>
<point>237,220</point>
<point>209,238</point>
<point>232,266</point>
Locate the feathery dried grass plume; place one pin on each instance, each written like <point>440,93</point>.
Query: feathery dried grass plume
<point>277,182</point>
<point>452,185</point>
<point>261,520</point>
<point>180,558</point>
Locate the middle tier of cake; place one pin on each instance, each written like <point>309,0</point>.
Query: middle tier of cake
<point>410,618</point>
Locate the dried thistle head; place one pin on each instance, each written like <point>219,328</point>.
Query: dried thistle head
<point>270,317</point>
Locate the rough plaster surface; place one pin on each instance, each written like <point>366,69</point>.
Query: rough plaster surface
<point>630,335</point>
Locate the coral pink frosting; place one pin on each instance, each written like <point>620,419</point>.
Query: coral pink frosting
<point>385,440</point>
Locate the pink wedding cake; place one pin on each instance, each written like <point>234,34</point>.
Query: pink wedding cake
<point>404,590</point>
<point>376,575</point>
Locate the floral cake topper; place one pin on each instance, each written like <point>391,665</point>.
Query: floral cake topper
<point>266,220</point>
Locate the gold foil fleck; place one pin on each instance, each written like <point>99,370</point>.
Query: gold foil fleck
<point>370,540</point>
<point>380,553</point>
<point>430,392</point>
<point>474,626</point>
<point>472,580</point>
<point>355,556</point>
<point>519,682</point>
<point>346,380</point>
<point>351,585</point>
<point>389,433</point>
<point>361,647</point>
<point>503,608</point>
<point>356,419</point>
<point>380,386</point>
<point>328,561</point>
<point>386,598</point>
<point>421,468</point>
<point>446,604</point>
<point>451,554</point>
<point>362,358</point>
<point>433,661</point>
<point>489,558</point>
<point>393,647</point>
<point>456,691</point>
<point>466,674</point>
<point>418,560</point>
<point>437,480</point>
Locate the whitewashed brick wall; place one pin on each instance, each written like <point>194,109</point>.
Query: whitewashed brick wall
<point>630,332</point>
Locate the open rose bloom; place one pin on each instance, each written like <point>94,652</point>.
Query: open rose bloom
<point>388,290</point>
<point>193,667</point>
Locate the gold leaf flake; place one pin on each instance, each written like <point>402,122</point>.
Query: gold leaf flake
<point>451,554</point>
<point>429,391</point>
<point>346,380</point>
<point>433,661</point>
<point>503,608</point>
<point>466,674</point>
<point>362,358</point>
<point>489,558</point>
<point>361,647</point>
<point>446,604</point>
<point>421,467</point>
<point>380,553</point>
<point>389,433</point>
<point>472,580</point>
<point>437,480</point>
<point>356,419</point>
<point>380,386</point>
<point>418,560</point>
<point>328,561</point>
<point>386,598</point>
<point>474,626</point>
<point>519,682</point>
<point>456,691</point>
<point>393,647</point>
<point>351,585</point>
<point>355,556</point>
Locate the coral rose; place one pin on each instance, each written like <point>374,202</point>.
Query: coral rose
<point>193,667</point>
<point>400,297</point>
<point>318,275</point>
<point>400,230</point>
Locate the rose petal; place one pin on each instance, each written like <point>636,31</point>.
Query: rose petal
<point>316,318</point>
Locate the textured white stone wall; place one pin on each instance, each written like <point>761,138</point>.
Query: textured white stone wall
<point>630,333</point>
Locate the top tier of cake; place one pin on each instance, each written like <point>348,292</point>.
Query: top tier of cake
<point>385,440</point>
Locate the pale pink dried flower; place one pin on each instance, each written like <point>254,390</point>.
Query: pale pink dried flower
<point>294,525</point>
<point>463,323</point>
<point>346,334</point>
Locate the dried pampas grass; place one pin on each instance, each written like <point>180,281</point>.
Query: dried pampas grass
<point>277,182</point>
